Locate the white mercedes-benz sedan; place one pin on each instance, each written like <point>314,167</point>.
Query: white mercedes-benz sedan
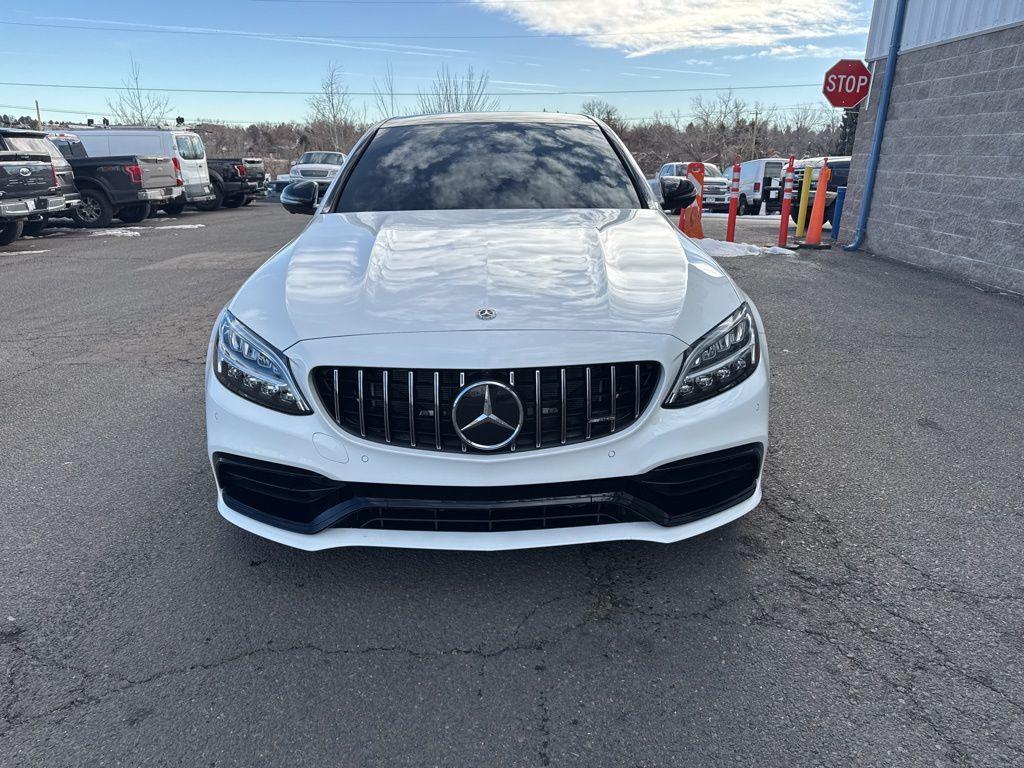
<point>489,336</point>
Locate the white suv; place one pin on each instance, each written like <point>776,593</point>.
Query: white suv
<point>488,337</point>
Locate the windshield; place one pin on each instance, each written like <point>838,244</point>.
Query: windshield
<point>190,146</point>
<point>710,169</point>
<point>322,158</point>
<point>38,145</point>
<point>464,165</point>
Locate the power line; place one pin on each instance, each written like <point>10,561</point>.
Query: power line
<point>502,94</point>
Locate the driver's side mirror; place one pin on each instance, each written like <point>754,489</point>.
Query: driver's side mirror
<point>301,197</point>
<point>677,192</point>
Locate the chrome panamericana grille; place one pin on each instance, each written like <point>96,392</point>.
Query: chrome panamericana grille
<point>413,408</point>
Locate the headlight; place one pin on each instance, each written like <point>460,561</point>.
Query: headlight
<point>718,361</point>
<point>251,368</point>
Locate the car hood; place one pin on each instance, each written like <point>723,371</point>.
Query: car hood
<point>408,272</point>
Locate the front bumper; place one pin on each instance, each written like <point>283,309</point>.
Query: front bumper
<point>32,206</point>
<point>380,476</point>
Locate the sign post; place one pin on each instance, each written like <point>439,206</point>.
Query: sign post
<point>847,83</point>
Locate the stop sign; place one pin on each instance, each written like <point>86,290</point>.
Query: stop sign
<point>847,83</point>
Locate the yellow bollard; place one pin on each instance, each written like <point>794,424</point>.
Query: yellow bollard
<point>805,194</point>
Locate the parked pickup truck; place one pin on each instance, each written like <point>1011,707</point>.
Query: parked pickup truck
<point>236,181</point>
<point>715,193</point>
<point>62,196</point>
<point>318,166</point>
<point>840,167</point>
<point>125,187</point>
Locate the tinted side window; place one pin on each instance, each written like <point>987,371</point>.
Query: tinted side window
<point>840,173</point>
<point>190,147</point>
<point>460,165</point>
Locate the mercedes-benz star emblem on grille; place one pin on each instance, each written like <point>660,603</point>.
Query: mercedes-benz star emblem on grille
<point>24,171</point>
<point>486,314</point>
<point>487,415</point>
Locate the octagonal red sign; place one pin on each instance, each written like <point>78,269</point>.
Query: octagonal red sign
<point>847,83</point>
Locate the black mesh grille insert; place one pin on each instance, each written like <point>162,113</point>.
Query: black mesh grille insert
<point>376,403</point>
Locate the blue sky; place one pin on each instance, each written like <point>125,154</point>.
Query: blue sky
<point>530,48</point>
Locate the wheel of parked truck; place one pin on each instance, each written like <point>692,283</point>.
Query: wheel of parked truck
<point>35,227</point>
<point>176,207</point>
<point>11,231</point>
<point>248,201</point>
<point>234,201</point>
<point>212,205</point>
<point>829,211</point>
<point>95,210</point>
<point>133,214</point>
<point>743,210</point>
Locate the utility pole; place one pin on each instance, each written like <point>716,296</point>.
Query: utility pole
<point>39,116</point>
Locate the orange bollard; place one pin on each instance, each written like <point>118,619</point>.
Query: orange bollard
<point>690,218</point>
<point>818,209</point>
<point>787,202</point>
<point>734,201</point>
<point>690,222</point>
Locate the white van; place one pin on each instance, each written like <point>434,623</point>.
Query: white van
<point>761,180</point>
<point>184,147</point>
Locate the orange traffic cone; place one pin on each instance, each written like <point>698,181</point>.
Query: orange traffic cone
<point>818,209</point>
<point>690,223</point>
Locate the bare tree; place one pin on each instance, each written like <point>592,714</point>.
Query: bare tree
<point>452,92</point>
<point>604,111</point>
<point>384,93</point>
<point>135,106</point>
<point>331,109</point>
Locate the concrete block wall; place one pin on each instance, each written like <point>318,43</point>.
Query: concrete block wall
<point>949,193</point>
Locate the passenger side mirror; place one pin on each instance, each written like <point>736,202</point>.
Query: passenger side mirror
<point>301,197</point>
<point>677,192</point>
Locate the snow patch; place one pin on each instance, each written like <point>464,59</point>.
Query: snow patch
<point>22,253</point>
<point>117,232</point>
<point>719,249</point>
<point>182,226</point>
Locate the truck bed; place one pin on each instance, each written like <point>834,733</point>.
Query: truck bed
<point>157,172</point>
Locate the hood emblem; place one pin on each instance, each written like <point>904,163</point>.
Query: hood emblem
<point>486,313</point>
<point>487,415</point>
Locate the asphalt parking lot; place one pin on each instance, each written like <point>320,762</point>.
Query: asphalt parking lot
<point>870,612</point>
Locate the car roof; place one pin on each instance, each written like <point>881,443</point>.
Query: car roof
<point>23,132</point>
<point>821,160</point>
<point>492,117</point>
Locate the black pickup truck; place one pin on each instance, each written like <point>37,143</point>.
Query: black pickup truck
<point>59,197</point>
<point>236,181</point>
<point>124,187</point>
<point>840,167</point>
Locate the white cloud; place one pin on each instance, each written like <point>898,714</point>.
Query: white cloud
<point>399,49</point>
<point>686,71</point>
<point>808,51</point>
<point>639,28</point>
